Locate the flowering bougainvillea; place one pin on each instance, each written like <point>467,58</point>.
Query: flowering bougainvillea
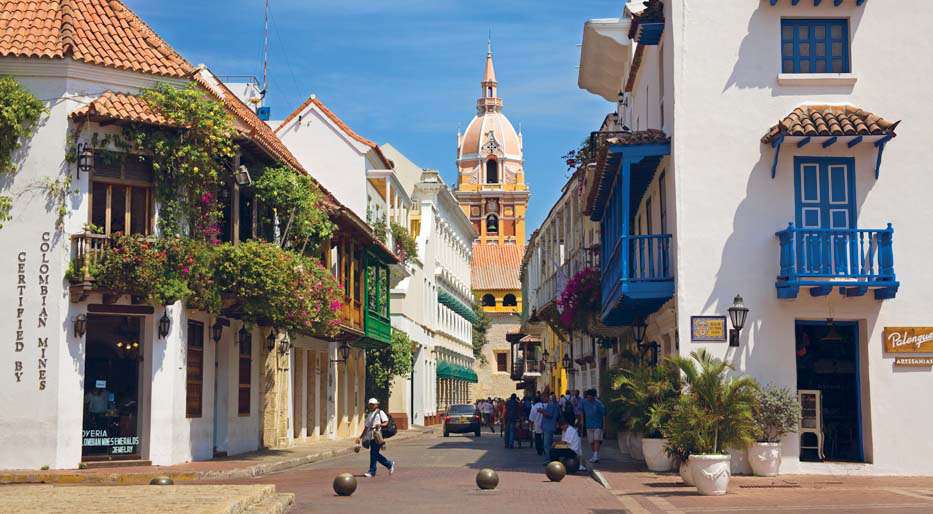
<point>580,298</point>
<point>266,284</point>
<point>280,288</point>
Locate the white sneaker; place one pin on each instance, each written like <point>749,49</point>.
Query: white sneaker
<point>392,469</point>
<point>369,475</point>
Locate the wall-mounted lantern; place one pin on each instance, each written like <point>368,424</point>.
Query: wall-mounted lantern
<point>244,337</point>
<point>80,323</point>
<point>285,344</point>
<point>217,331</point>
<point>85,158</point>
<point>270,340</point>
<point>737,313</point>
<point>566,361</point>
<point>165,323</point>
<point>344,350</point>
<point>638,330</point>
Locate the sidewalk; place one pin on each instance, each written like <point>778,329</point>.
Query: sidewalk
<point>643,492</point>
<point>194,499</point>
<point>245,465</point>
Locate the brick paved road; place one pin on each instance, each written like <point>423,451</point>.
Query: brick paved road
<point>437,474</point>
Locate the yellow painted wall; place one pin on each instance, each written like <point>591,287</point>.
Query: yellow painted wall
<point>499,295</point>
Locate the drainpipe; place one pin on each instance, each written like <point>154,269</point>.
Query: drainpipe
<point>414,359</point>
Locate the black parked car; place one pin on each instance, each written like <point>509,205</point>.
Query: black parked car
<point>462,418</point>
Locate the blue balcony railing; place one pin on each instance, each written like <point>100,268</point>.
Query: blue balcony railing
<point>853,260</point>
<point>637,277</point>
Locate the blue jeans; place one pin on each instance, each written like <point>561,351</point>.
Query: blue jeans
<point>509,434</point>
<point>548,440</point>
<point>375,456</point>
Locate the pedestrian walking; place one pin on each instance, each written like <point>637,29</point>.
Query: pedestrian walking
<point>550,414</point>
<point>594,420</point>
<point>487,410</point>
<point>510,418</point>
<point>535,418</point>
<point>376,420</point>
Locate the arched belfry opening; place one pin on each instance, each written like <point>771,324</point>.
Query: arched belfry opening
<point>492,171</point>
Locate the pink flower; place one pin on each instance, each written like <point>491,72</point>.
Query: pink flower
<point>185,269</point>
<point>334,305</point>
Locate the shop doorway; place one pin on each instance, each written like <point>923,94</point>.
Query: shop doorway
<point>829,386</point>
<point>111,388</point>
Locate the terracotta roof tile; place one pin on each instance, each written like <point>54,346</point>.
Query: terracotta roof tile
<point>496,267</point>
<point>830,120</point>
<point>103,32</point>
<point>337,121</point>
<point>121,106</point>
<point>598,189</point>
<point>255,129</point>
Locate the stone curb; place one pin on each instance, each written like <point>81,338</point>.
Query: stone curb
<point>597,475</point>
<point>277,503</point>
<point>180,476</point>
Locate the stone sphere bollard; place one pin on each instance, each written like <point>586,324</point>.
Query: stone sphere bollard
<point>162,480</point>
<point>344,484</point>
<point>571,464</point>
<point>487,479</point>
<point>555,471</point>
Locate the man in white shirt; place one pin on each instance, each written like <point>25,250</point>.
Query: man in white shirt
<point>570,436</point>
<point>486,410</point>
<point>376,420</point>
<point>535,419</point>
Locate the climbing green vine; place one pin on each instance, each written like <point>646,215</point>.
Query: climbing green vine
<point>19,113</point>
<point>6,204</point>
<point>298,204</point>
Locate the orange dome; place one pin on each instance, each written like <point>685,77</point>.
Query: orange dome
<point>488,133</point>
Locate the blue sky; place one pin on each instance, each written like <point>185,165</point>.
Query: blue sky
<point>407,72</point>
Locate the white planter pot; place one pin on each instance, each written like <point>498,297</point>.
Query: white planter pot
<point>765,459</point>
<point>634,446</point>
<point>622,438</point>
<point>655,456</point>
<point>710,474</point>
<point>686,474</point>
<point>739,462</point>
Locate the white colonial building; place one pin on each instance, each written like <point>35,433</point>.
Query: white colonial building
<point>755,154</point>
<point>433,305</point>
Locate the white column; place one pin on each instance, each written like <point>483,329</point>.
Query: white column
<point>317,395</point>
<point>304,392</point>
<point>332,392</point>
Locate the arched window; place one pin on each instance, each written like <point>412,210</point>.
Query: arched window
<point>489,300</point>
<point>489,91</point>
<point>509,301</point>
<point>492,224</point>
<point>492,172</point>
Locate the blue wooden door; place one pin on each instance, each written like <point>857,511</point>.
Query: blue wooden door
<point>825,214</point>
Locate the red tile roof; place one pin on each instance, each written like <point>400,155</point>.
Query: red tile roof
<point>255,129</point>
<point>102,32</point>
<point>496,267</point>
<point>121,106</point>
<point>830,120</point>
<point>337,121</point>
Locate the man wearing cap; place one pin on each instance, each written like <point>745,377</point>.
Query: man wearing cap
<point>376,420</point>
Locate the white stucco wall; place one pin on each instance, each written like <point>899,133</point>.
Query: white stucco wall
<point>331,156</point>
<point>725,65</point>
<point>44,425</point>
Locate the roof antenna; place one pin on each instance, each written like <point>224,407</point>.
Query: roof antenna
<point>489,42</point>
<point>265,49</point>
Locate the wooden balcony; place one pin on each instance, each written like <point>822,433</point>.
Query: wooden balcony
<point>637,278</point>
<point>86,252</point>
<point>853,260</point>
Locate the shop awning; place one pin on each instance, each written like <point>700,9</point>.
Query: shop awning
<point>447,369</point>
<point>456,305</point>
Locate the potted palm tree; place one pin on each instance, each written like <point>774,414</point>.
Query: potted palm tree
<point>721,411</point>
<point>648,392</point>
<point>682,436</point>
<point>778,413</point>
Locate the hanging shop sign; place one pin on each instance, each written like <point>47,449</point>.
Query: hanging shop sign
<point>914,362</point>
<point>908,339</point>
<point>707,328</point>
